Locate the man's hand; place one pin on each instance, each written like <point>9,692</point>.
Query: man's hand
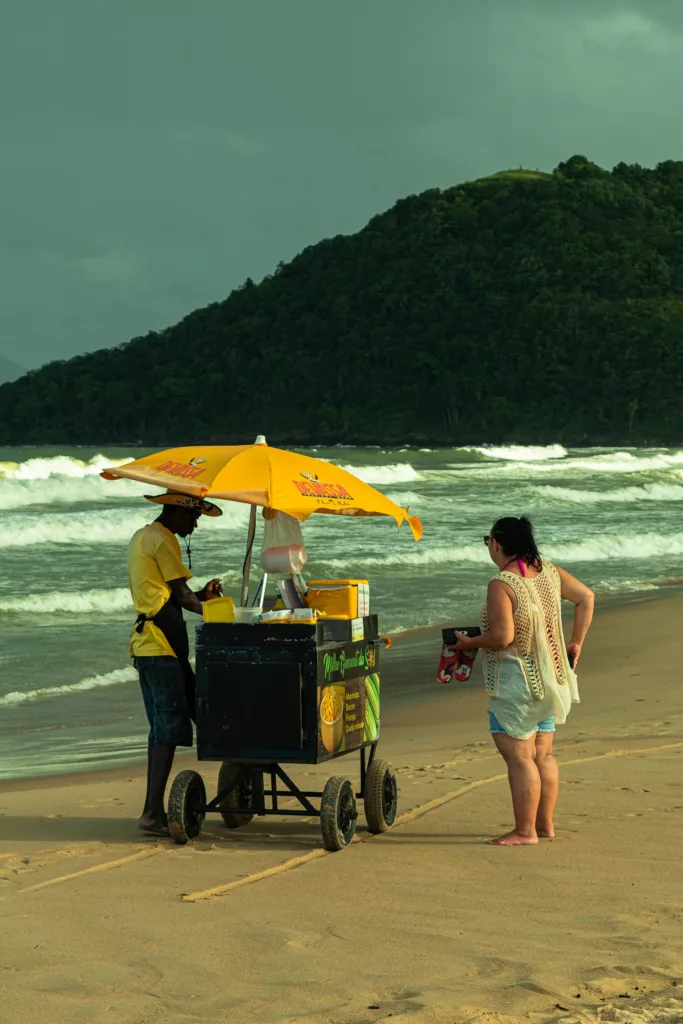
<point>213,588</point>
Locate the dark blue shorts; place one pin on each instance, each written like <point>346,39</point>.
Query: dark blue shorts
<point>162,681</point>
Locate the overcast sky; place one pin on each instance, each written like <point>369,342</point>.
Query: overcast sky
<point>155,153</point>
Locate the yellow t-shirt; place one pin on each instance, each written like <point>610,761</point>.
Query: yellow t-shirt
<point>153,559</point>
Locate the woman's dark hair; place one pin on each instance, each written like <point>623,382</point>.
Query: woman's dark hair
<point>516,537</point>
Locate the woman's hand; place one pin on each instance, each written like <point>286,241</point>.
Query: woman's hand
<point>574,649</point>
<point>464,642</point>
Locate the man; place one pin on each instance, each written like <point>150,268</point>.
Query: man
<point>158,585</point>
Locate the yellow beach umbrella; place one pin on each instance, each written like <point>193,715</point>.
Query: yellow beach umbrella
<point>259,475</point>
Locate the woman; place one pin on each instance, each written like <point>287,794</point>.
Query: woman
<point>528,669</point>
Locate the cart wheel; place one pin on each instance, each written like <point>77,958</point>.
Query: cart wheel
<point>186,806</point>
<point>243,794</point>
<point>380,796</point>
<point>338,813</point>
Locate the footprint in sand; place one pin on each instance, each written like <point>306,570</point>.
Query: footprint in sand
<point>398,1003</point>
<point>624,981</point>
<point>304,941</point>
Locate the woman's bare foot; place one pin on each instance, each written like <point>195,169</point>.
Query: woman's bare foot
<point>545,828</point>
<point>514,839</point>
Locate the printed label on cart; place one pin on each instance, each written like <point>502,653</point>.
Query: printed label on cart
<point>345,661</point>
<point>348,698</point>
<point>357,629</point>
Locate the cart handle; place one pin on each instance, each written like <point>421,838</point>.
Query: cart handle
<point>383,641</point>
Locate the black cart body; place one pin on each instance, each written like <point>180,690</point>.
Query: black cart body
<point>270,695</point>
<point>295,694</point>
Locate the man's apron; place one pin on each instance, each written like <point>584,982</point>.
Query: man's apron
<point>172,624</point>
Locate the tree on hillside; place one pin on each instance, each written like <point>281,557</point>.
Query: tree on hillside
<point>522,307</point>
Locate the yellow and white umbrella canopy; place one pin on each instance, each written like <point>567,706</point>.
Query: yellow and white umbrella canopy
<point>259,475</point>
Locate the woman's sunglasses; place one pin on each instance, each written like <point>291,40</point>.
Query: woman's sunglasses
<point>488,539</point>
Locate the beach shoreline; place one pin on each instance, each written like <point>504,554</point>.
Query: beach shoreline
<point>73,705</point>
<point>432,925</point>
<point>413,654</point>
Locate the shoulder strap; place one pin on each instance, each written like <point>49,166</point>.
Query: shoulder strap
<point>512,579</point>
<point>523,587</point>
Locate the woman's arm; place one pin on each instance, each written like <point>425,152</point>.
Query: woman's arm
<point>501,631</point>
<point>584,599</point>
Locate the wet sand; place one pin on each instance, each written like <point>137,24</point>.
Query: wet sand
<point>425,924</point>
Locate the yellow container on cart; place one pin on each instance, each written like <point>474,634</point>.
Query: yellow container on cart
<point>219,609</point>
<point>339,599</point>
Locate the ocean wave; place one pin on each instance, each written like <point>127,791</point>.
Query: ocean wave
<point>61,480</point>
<point>16,494</point>
<point>398,473</point>
<point>627,462</point>
<point>601,547</point>
<point>110,526</point>
<point>91,602</point>
<point>82,528</point>
<point>520,452</point>
<point>65,602</point>
<point>115,678</point>
<point>57,465</point>
<point>413,499</point>
<point>605,462</point>
<point>623,586</point>
<point>605,546</point>
<point>642,492</point>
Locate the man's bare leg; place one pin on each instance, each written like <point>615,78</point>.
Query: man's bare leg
<point>148,794</point>
<point>525,787</point>
<point>550,784</point>
<point>159,764</point>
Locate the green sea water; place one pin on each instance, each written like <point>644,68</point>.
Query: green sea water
<point>68,696</point>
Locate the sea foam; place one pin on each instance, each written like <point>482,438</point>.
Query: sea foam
<point>85,528</point>
<point>620,495</point>
<point>115,678</point>
<point>520,453</point>
<point>603,462</point>
<point>62,480</point>
<point>57,465</point>
<point>397,473</point>
<point>65,602</point>
<point>601,547</point>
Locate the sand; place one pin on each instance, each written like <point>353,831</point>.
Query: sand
<point>425,924</point>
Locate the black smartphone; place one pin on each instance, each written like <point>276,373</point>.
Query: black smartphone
<point>449,633</point>
<point>571,658</point>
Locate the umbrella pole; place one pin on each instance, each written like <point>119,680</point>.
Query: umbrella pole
<point>247,561</point>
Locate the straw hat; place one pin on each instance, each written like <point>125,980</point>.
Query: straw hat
<point>205,508</point>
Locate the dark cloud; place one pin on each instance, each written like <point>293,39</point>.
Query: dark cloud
<point>155,154</point>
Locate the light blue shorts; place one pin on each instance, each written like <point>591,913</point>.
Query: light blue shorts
<point>547,725</point>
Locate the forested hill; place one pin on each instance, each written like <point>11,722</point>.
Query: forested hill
<point>523,307</point>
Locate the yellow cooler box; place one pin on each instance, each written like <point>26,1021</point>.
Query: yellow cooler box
<point>219,609</point>
<point>339,599</point>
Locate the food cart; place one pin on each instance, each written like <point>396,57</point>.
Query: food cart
<point>271,694</point>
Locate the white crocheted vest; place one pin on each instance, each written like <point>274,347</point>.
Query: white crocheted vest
<point>539,637</point>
